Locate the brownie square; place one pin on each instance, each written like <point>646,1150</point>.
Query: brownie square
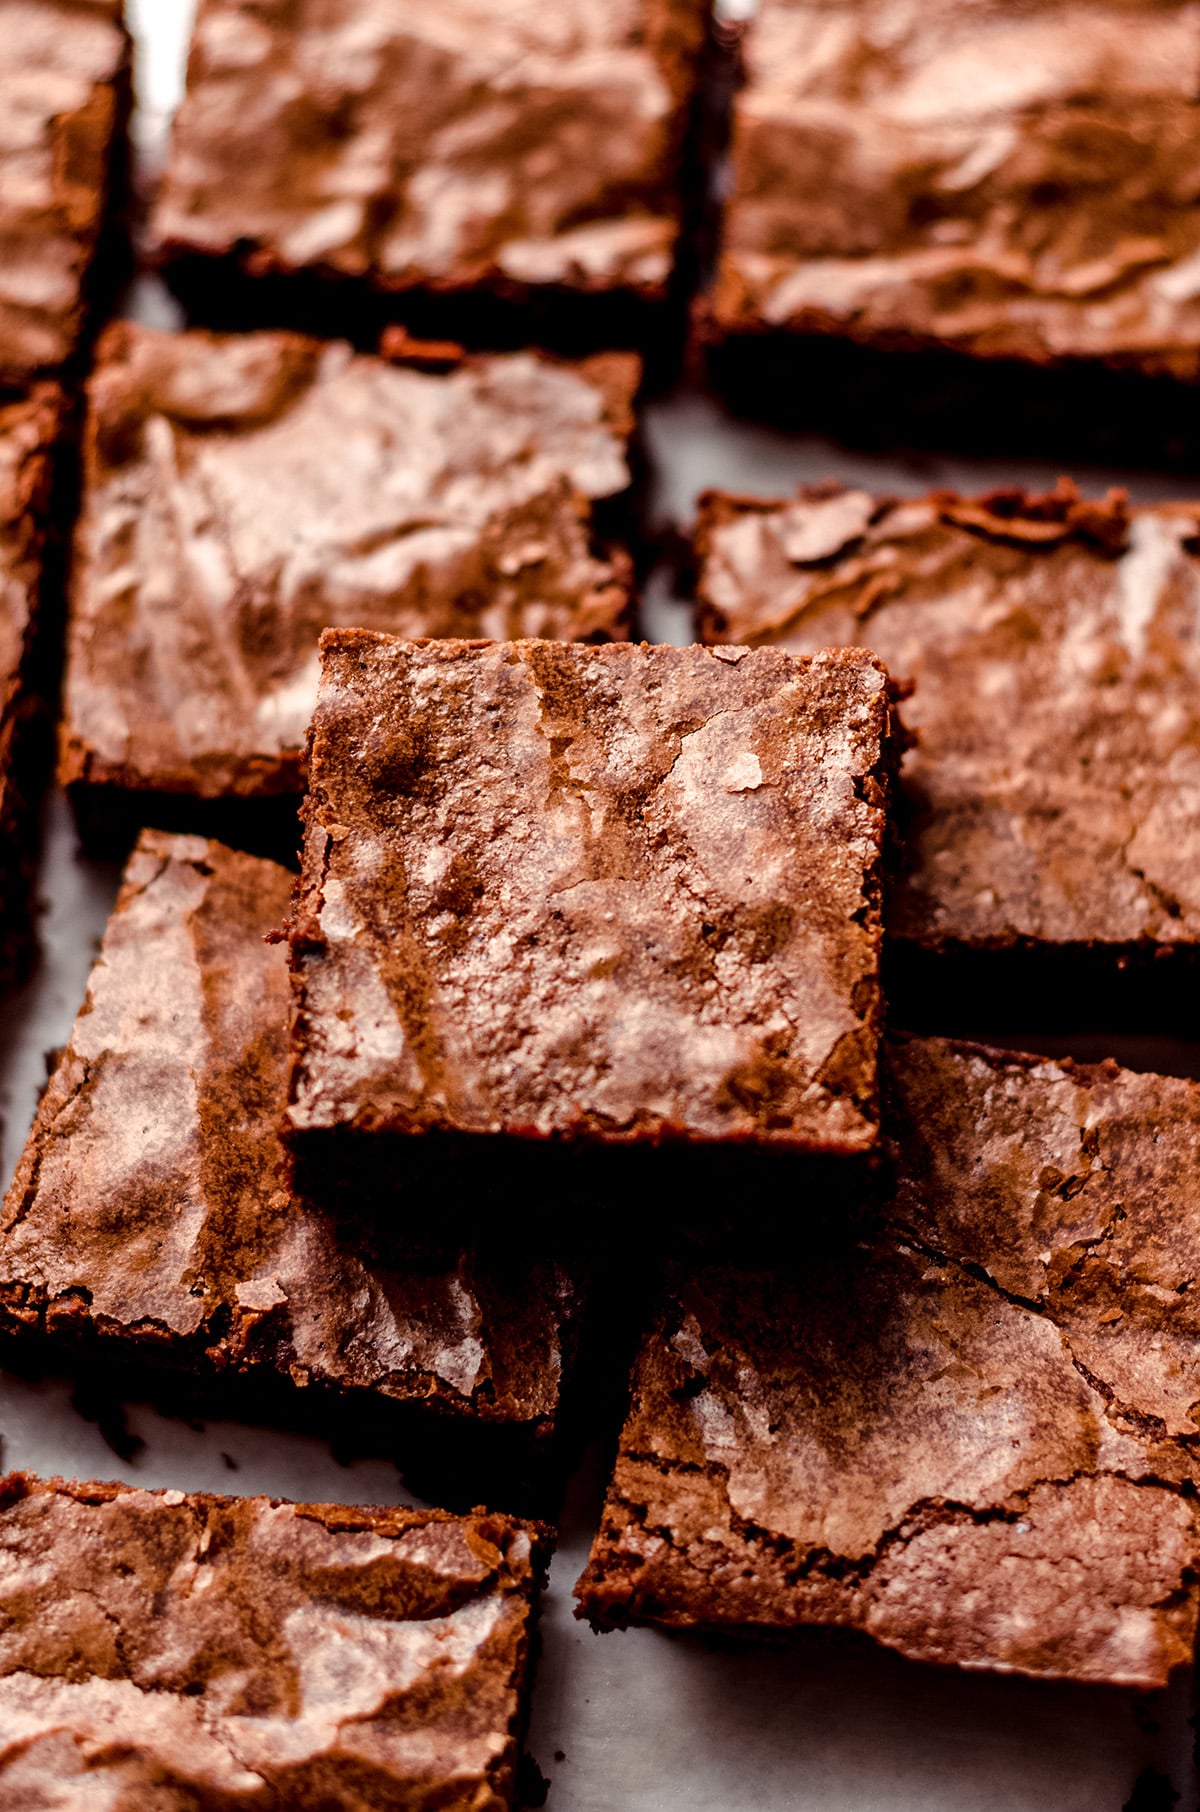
<point>443,151</point>
<point>152,1219</point>
<point>1000,182</point>
<point>176,1651</point>
<point>968,1428</point>
<point>244,493</point>
<point>29,427</point>
<point>64,95</point>
<point>621,894</point>
<point>1052,645</point>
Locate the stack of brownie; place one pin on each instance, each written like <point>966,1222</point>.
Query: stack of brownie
<point>584,925</point>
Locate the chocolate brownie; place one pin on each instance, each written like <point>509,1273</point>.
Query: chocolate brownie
<point>64,95</point>
<point>1054,652</point>
<point>968,1428</point>
<point>622,894</point>
<point>241,1654</point>
<point>1006,182</point>
<point>243,493</point>
<point>29,427</point>
<point>151,1214</point>
<point>436,152</point>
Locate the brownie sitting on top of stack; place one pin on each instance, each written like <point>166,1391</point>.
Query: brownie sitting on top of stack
<point>615,894</point>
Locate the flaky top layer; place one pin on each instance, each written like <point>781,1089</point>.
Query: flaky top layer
<point>971,1432</point>
<point>62,77</point>
<point>152,1207</point>
<point>1053,647</point>
<point>625,893</point>
<point>440,143</point>
<point>243,1652</point>
<point>245,492</point>
<point>1004,180</point>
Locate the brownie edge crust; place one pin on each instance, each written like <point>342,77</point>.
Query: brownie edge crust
<point>247,1653</point>
<point>620,894</point>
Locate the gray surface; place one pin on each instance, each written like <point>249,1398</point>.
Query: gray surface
<point>635,1722</point>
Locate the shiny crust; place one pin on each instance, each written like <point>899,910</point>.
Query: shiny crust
<point>173,1650</point>
<point>64,78</point>
<point>971,1432</point>
<point>1017,182</point>
<point>244,492</point>
<point>656,915</point>
<point>151,1210</point>
<point>1053,647</point>
<point>437,144</point>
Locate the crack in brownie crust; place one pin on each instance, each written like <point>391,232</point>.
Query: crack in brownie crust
<point>1003,181</point>
<point>1053,646</point>
<point>244,493</point>
<point>623,893</point>
<point>444,144</point>
<point>972,1432</point>
<point>244,1653</point>
<point>62,99</point>
<point>151,1205</point>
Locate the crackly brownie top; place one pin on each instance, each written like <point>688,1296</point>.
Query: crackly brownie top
<point>442,142</point>
<point>1007,179</point>
<point>621,892</point>
<point>59,106</point>
<point>170,1650</point>
<point>1055,649</point>
<point>966,1431</point>
<point>151,1205</point>
<point>245,492</point>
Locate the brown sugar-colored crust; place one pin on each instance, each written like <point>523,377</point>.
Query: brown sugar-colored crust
<point>970,1432</point>
<point>243,493</point>
<point>621,893</point>
<point>999,181</point>
<point>64,77</point>
<point>437,145</point>
<point>151,1211</point>
<point>28,431</point>
<point>1053,647</point>
<point>242,1654</point>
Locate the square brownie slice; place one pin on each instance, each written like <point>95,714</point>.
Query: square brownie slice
<point>29,429</point>
<point>64,97</point>
<point>448,153</point>
<point>170,1650</point>
<point>967,1428</point>
<point>243,493</point>
<point>621,894</point>
<point>999,182</point>
<point>152,1224</point>
<point>1053,648</point>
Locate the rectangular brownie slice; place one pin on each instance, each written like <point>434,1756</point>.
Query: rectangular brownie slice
<point>29,428</point>
<point>170,1650</point>
<point>1052,644</point>
<point>618,894</point>
<point>152,1222</point>
<point>449,154</point>
<point>967,1427</point>
<point>243,493</point>
<point>1000,182</point>
<point>64,96</point>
